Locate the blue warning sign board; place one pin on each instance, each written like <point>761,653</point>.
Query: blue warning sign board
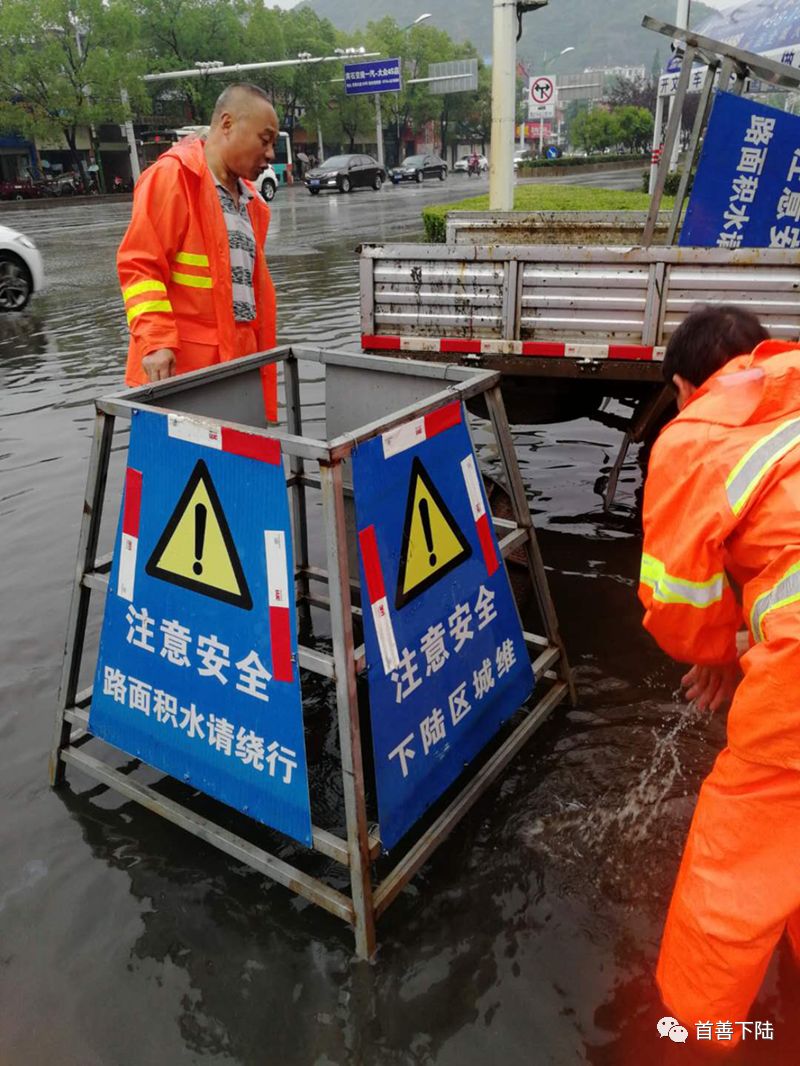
<point>746,193</point>
<point>197,669</point>
<point>446,658</point>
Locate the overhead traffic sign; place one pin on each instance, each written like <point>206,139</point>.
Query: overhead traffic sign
<point>376,76</point>
<point>197,669</point>
<point>446,658</point>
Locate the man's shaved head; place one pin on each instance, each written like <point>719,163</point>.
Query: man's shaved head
<point>244,128</point>
<point>238,99</point>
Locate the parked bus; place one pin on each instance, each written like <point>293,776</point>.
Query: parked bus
<point>283,159</point>
<point>283,164</point>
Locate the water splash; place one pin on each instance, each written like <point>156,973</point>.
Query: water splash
<point>642,804</point>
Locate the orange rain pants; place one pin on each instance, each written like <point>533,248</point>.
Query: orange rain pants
<point>722,550</point>
<point>734,895</point>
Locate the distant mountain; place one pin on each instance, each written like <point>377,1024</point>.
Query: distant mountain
<point>602,32</point>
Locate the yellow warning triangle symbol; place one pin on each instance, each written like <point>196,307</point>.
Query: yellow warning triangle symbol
<point>196,550</point>
<point>433,544</point>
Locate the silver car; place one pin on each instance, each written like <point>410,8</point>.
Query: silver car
<point>21,270</point>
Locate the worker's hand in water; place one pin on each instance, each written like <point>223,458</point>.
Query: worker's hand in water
<point>159,365</point>
<point>711,687</point>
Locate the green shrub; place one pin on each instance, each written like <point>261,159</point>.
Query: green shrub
<point>572,161</point>
<point>670,184</point>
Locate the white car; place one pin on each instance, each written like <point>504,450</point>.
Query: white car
<point>267,182</point>
<point>21,270</point>
<point>462,165</point>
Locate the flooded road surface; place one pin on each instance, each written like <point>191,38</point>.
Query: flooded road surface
<point>531,936</point>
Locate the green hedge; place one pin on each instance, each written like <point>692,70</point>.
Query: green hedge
<point>581,160</point>
<point>542,198</point>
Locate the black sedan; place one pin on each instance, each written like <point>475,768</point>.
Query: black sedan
<point>418,168</point>
<point>343,173</point>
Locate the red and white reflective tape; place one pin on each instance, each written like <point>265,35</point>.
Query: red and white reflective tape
<point>280,629</point>
<point>224,439</point>
<point>131,513</point>
<point>419,429</point>
<point>479,514</point>
<point>376,594</point>
<point>542,349</point>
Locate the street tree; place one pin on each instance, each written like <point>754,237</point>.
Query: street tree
<point>634,128</point>
<point>175,35</point>
<point>64,65</point>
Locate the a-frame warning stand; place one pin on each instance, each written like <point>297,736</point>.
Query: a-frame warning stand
<point>192,546</point>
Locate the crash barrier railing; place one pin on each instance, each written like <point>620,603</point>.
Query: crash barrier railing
<point>217,616</point>
<point>558,302</point>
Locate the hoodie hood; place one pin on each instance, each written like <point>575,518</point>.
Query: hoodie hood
<point>190,152</point>
<point>759,387</point>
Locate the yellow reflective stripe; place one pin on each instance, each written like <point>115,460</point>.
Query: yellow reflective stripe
<point>192,281</point>
<point>192,260</point>
<point>147,306</point>
<point>670,589</point>
<point>143,286</point>
<point>784,592</point>
<point>756,463</point>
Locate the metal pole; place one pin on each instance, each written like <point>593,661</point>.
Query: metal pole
<point>504,97</point>
<point>130,137</point>
<point>669,140</point>
<point>333,510</point>
<point>79,604</point>
<point>541,135</point>
<point>379,127</point>
<point>681,20</point>
<point>703,108</point>
<point>320,145</point>
<point>659,122</point>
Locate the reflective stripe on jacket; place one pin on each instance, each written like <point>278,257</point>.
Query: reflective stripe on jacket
<point>722,542</point>
<point>174,269</point>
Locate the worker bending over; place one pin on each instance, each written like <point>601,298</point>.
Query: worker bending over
<point>722,550</point>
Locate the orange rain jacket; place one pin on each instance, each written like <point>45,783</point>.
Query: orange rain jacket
<point>174,269</point>
<point>722,542</point>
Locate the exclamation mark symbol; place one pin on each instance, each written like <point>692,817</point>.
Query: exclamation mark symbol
<point>424,514</point>
<point>199,536</point>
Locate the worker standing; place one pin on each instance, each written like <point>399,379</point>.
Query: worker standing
<point>722,550</point>
<point>192,268</point>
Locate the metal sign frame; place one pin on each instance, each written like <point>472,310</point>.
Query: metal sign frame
<point>726,66</point>
<point>190,396</point>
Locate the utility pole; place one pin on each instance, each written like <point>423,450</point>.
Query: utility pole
<point>130,137</point>
<point>504,99</point>
<point>379,127</point>
<point>506,17</point>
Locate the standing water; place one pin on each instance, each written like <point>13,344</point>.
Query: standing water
<point>529,938</point>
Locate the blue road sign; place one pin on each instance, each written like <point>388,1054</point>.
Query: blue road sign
<point>377,76</point>
<point>446,659</point>
<point>553,152</point>
<point>197,669</point>
<point>746,192</point>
